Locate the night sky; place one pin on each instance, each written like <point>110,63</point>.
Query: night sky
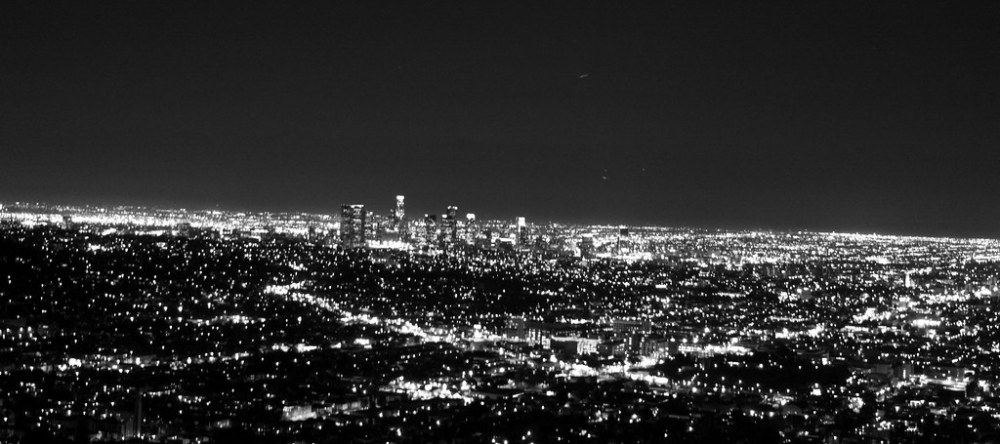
<point>851,116</point>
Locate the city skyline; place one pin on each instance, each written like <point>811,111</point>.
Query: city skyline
<point>386,211</point>
<point>499,222</point>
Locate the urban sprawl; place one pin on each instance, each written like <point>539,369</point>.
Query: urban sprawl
<point>176,326</point>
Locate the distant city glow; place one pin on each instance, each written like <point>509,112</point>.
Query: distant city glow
<point>289,324</point>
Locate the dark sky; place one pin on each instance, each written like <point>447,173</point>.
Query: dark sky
<point>847,115</point>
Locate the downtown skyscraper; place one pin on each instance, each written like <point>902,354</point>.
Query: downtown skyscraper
<point>353,223</point>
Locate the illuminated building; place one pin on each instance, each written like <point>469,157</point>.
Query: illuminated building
<point>522,231</point>
<point>400,212</point>
<point>373,222</point>
<point>628,326</point>
<point>470,227</point>
<point>353,221</point>
<point>430,227</point>
<point>449,225</point>
<point>574,345</point>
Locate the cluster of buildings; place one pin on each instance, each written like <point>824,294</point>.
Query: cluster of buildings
<point>177,326</point>
<point>361,228</point>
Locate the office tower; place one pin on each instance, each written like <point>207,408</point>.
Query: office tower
<point>449,222</point>
<point>470,227</point>
<point>352,225</point>
<point>372,226</point>
<point>400,211</point>
<point>522,231</point>
<point>430,228</point>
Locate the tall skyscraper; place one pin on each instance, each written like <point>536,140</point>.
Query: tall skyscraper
<point>353,221</point>
<point>449,224</point>
<point>522,231</point>
<point>471,229</point>
<point>400,213</point>
<point>430,228</point>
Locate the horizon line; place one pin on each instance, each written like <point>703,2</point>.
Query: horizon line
<point>758,229</point>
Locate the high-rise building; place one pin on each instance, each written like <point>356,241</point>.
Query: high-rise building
<point>471,229</point>
<point>400,210</point>
<point>449,225</point>
<point>372,223</point>
<point>522,231</point>
<point>430,228</point>
<point>353,222</point>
